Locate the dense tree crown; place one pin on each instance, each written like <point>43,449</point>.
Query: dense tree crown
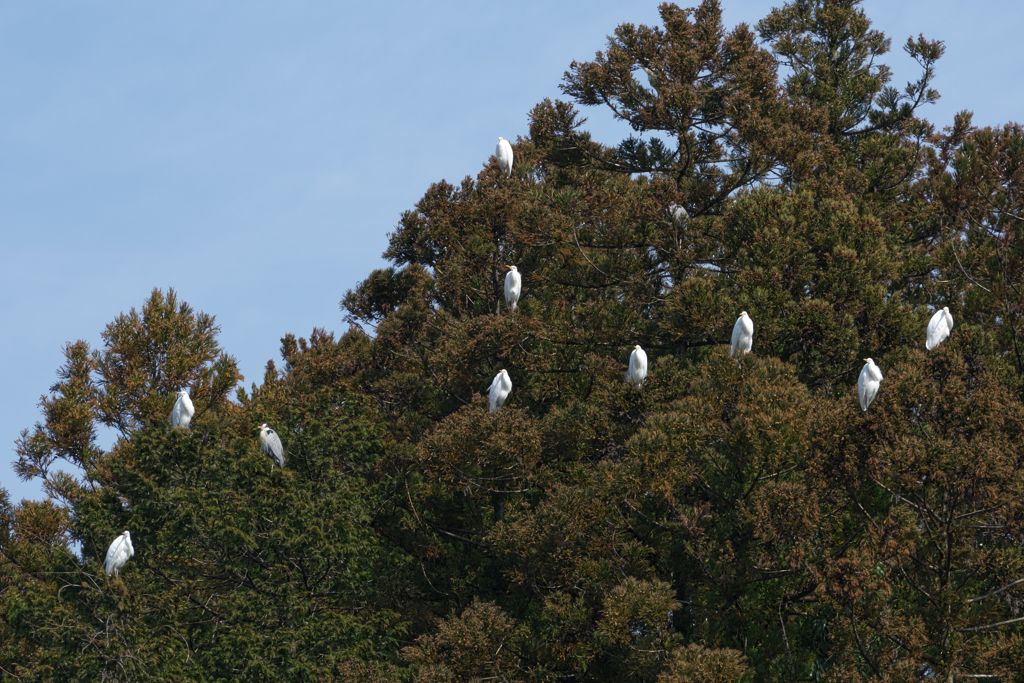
<point>723,518</point>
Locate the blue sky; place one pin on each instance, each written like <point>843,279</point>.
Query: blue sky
<point>255,155</point>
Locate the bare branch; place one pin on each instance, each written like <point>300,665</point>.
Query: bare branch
<point>985,627</point>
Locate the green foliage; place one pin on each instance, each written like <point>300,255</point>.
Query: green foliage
<point>147,356</point>
<point>236,573</point>
<point>736,519</point>
<point>479,644</point>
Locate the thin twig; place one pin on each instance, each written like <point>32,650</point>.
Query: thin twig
<point>998,590</point>
<point>785,639</point>
<point>985,627</point>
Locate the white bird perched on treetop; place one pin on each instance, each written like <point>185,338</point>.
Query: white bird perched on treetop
<point>501,387</point>
<point>118,553</point>
<point>504,154</point>
<point>636,373</point>
<point>513,287</point>
<point>270,444</point>
<point>678,213</point>
<point>939,328</point>
<point>742,335</point>
<point>181,414</point>
<point>868,382</point>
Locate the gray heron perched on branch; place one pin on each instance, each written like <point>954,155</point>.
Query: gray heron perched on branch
<point>270,444</point>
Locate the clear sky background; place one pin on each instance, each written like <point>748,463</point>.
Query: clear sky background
<point>254,156</point>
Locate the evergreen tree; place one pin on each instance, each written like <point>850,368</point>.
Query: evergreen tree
<point>731,520</point>
<point>237,574</point>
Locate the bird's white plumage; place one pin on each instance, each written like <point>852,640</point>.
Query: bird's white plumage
<point>636,373</point>
<point>939,328</point>
<point>678,213</point>
<point>501,387</point>
<point>504,154</point>
<point>868,382</point>
<point>270,444</point>
<point>742,335</point>
<point>181,414</point>
<point>118,553</point>
<point>513,287</point>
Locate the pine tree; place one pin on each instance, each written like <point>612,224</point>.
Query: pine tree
<point>237,573</point>
<point>733,519</point>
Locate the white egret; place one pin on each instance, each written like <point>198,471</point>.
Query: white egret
<point>504,154</point>
<point>678,213</point>
<point>742,335</point>
<point>118,553</point>
<point>181,414</point>
<point>501,387</point>
<point>868,383</point>
<point>939,328</point>
<point>270,444</point>
<point>636,373</point>
<point>513,287</point>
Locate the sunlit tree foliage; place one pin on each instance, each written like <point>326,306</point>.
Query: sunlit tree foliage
<point>732,520</point>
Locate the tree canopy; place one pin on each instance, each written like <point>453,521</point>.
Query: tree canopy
<point>733,519</point>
